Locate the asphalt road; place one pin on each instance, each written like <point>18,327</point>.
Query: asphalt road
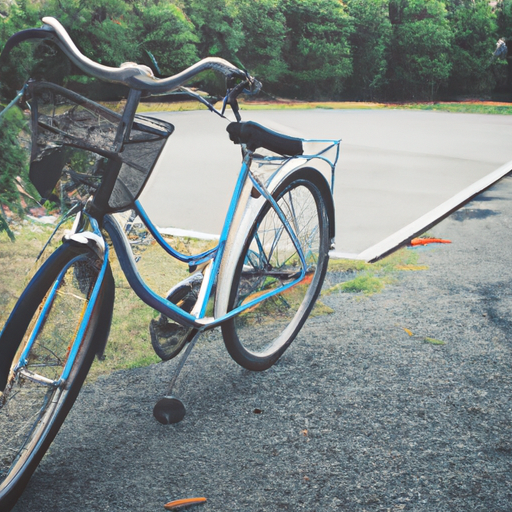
<point>395,166</point>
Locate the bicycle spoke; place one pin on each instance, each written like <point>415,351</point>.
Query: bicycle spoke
<point>273,263</point>
<point>31,395</point>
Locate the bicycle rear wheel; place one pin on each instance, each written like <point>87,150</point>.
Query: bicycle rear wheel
<point>32,406</point>
<point>269,261</point>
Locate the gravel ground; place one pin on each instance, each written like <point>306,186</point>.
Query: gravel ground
<point>357,415</point>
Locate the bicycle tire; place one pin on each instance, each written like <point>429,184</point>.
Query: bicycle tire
<point>31,414</point>
<point>258,337</point>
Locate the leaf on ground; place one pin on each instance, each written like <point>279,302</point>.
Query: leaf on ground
<point>409,332</point>
<point>434,341</point>
<point>425,241</point>
<point>411,267</point>
<point>173,505</point>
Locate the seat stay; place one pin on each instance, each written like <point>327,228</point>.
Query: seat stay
<point>282,217</point>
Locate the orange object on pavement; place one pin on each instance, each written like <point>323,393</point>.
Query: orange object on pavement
<point>183,503</point>
<point>425,241</point>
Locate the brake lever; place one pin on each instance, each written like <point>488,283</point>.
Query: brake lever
<point>231,99</point>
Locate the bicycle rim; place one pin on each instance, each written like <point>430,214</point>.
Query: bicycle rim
<point>31,408</point>
<point>269,263</point>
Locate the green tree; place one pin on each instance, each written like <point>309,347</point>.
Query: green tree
<point>370,42</point>
<point>474,29</point>
<point>220,34</point>
<point>419,54</point>
<point>504,18</point>
<point>264,28</point>
<point>220,30</point>
<point>317,49</point>
<point>163,30</point>
<point>504,21</point>
<point>98,27</point>
<point>15,71</point>
<point>13,164</point>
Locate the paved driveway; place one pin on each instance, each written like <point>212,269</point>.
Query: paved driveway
<point>395,166</point>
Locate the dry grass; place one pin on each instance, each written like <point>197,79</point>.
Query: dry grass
<point>372,278</point>
<point>129,343</point>
<point>472,106</point>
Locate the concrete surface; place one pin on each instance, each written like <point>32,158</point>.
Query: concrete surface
<point>395,166</point>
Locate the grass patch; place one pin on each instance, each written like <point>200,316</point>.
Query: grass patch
<point>366,283</point>
<point>372,278</point>
<point>469,107</point>
<point>129,344</point>
<point>461,107</point>
<point>17,261</point>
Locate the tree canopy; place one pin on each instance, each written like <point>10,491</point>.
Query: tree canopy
<point>307,49</point>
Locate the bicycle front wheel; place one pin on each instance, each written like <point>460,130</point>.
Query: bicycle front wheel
<point>35,346</point>
<point>269,262</point>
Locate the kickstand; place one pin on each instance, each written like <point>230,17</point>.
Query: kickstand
<point>170,409</point>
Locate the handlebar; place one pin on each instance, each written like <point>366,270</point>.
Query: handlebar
<point>134,76</point>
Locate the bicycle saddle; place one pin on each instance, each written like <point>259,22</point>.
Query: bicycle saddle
<point>256,136</point>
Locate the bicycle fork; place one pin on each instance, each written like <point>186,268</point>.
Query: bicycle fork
<point>91,240</point>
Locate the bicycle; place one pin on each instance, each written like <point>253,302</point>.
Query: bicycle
<point>258,284</point>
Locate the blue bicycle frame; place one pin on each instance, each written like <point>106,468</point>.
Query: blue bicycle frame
<point>86,228</point>
<point>96,236</point>
<point>215,255</point>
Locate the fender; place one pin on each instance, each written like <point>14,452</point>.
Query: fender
<point>242,225</point>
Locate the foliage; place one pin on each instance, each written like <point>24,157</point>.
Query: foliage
<point>264,41</point>
<point>504,22</point>
<point>13,163</point>
<point>317,47</point>
<point>221,31</point>
<point>14,73</point>
<point>504,18</point>
<point>420,48</point>
<point>474,30</point>
<point>163,29</point>
<point>370,42</point>
<point>308,49</point>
